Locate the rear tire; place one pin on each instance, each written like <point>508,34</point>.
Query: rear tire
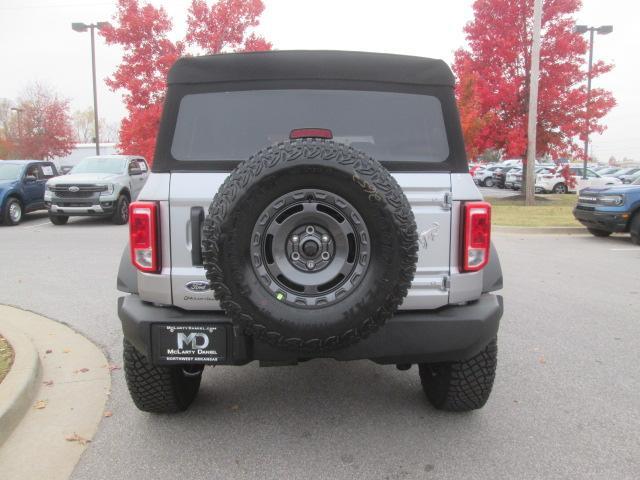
<point>58,219</point>
<point>560,188</point>
<point>121,213</point>
<point>489,182</point>
<point>158,389</point>
<point>599,233</point>
<point>461,386</point>
<point>635,229</point>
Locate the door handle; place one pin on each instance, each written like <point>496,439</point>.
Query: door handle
<point>197,217</point>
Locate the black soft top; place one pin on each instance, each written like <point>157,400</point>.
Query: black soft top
<point>311,65</point>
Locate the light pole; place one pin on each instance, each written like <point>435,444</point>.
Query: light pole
<point>603,30</point>
<point>19,113</point>
<point>83,27</point>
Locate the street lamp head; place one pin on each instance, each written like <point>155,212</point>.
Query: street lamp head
<point>102,25</point>
<point>79,27</point>
<point>605,29</point>
<point>580,29</point>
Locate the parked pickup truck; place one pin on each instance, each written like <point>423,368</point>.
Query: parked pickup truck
<point>22,188</point>
<point>97,186</point>
<point>609,210</point>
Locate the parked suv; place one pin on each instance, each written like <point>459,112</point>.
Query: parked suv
<point>22,188</point>
<point>554,182</point>
<point>97,186</point>
<point>485,176</point>
<point>610,210</point>
<point>309,205</point>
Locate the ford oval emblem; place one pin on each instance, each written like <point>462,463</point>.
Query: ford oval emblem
<point>74,189</point>
<point>197,286</point>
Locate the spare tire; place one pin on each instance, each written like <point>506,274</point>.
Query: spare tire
<point>310,245</point>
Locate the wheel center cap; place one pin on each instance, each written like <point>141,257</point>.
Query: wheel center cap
<point>310,248</point>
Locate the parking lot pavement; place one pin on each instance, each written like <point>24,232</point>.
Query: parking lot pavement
<point>499,192</point>
<point>565,402</point>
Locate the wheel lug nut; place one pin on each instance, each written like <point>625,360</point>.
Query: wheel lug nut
<point>310,265</point>
<point>310,229</point>
<point>295,239</point>
<point>295,256</point>
<point>325,239</point>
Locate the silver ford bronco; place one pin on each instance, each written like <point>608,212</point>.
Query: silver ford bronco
<point>309,204</point>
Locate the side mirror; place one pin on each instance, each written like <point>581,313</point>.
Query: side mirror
<point>30,179</point>
<point>135,171</point>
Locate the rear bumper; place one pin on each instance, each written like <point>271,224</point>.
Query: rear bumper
<point>448,334</point>
<point>616,222</point>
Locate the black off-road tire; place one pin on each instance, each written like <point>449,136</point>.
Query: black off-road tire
<point>59,219</point>
<point>599,233</point>
<point>634,229</point>
<point>278,171</point>
<point>461,386</point>
<point>121,213</point>
<point>158,389</point>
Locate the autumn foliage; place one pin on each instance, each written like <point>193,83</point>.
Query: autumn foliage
<point>142,30</point>
<point>493,75</point>
<point>41,127</point>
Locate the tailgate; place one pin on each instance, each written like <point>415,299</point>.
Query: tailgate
<point>428,194</point>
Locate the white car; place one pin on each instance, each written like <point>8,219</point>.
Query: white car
<point>555,182</point>
<point>514,177</point>
<point>484,176</point>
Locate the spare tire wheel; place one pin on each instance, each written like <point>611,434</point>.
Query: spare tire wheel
<point>310,245</point>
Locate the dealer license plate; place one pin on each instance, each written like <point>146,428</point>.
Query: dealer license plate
<point>189,344</point>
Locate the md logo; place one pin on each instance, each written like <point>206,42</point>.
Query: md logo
<point>192,339</point>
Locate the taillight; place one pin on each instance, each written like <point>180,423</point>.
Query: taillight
<point>143,236</point>
<point>476,241</point>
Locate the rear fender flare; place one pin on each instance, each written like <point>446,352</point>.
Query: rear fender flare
<point>127,273</point>
<point>492,273</point>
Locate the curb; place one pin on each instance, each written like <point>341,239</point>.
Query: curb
<point>541,230</point>
<point>19,387</point>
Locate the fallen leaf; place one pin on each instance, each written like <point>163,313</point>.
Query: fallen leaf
<point>108,414</point>
<point>40,404</point>
<point>48,352</point>
<point>48,383</point>
<point>66,350</point>
<point>81,370</point>
<point>542,360</point>
<point>77,438</point>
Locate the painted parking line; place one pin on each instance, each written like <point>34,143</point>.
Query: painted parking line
<point>625,249</point>
<point>37,225</point>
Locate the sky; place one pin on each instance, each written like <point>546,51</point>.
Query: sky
<point>37,44</point>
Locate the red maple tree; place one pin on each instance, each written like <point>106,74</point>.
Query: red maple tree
<point>43,128</point>
<point>493,74</point>
<point>142,30</point>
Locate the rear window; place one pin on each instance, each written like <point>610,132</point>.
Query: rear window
<point>231,126</point>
